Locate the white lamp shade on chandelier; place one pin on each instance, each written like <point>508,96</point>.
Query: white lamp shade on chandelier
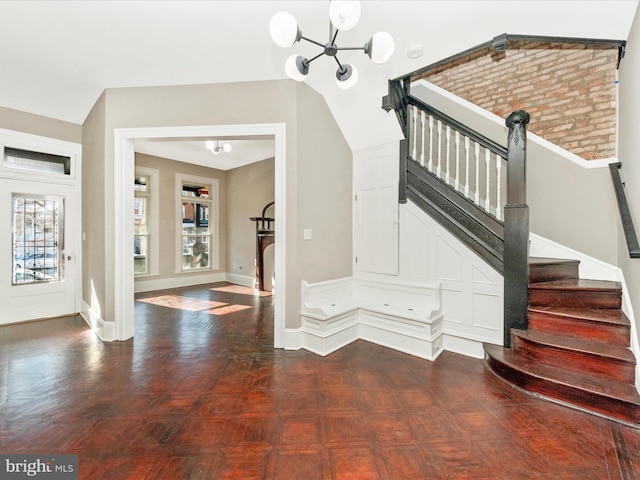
<point>380,47</point>
<point>347,79</point>
<point>343,16</point>
<point>284,29</point>
<point>293,70</point>
<point>216,148</point>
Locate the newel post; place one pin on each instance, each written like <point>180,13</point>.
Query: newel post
<point>516,229</point>
<point>397,100</point>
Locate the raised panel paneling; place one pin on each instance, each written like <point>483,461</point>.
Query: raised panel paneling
<point>477,276</point>
<point>449,261</point>
<point>452,305</point>
<point>486,311</point>
<point>377,230</point>
<point>472,291</point>
<point>416,238</point>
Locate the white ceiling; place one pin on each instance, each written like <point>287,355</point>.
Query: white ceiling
<point>56,57</point>
<point>244,151</point>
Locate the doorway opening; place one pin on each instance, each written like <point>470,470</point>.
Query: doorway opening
<point>123,208</point>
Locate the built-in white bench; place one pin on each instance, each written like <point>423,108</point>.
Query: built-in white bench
<point>403,316</point>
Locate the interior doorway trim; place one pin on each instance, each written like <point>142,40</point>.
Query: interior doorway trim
<point>122,294</point>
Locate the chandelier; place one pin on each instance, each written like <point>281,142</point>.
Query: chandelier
<point>216,148</point>
<point>343,16</point>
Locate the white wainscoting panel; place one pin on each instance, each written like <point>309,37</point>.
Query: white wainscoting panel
<point>472,291</point>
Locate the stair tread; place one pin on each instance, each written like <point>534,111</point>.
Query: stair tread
<point>589,383</point>
<point>578,284</point>
<point>611,316</point>
<point>592,347</point>
<point>550,261</point>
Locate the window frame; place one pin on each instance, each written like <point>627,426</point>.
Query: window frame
<point>213,203</point>
<point>152,210</point>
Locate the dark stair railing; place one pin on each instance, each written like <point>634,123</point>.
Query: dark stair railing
<point>516,229</point>
<point>457,176</point>
<point>625,213</point>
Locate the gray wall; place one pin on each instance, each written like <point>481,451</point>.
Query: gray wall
<point>249,189</point>
<point>629,147</point>
<point>167,209</point>
<point>93,187</point>
<point>39,125</point>
<point>318,176</point>
<point>325,183</point>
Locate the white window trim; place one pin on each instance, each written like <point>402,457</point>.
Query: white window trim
<point>153,217</point>
<point>214,248</point>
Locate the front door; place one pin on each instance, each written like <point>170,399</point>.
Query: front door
<point>38,250</point>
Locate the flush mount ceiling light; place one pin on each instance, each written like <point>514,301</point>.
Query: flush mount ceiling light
<point>343,16</point>
<point>216,148</point>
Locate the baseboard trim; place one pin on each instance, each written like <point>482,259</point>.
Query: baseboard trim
<point>147,285</point>
<point>468,347</point>
<point>324,337</point>
<point>103,329</point>
<point>243,280</point>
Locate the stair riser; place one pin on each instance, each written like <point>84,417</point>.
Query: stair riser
<point>551,272</point>
<point>580,328</point>
<point>574,361</point>
<point>609,407</point>
<point>575,298</point>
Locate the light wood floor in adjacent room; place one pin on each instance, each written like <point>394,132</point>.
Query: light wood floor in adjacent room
<point>200,393</point>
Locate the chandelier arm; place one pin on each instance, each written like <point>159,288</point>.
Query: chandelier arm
<point>311,41</point>
<point>350,48</point>
<point>317,56</point>
<point>338,62</point>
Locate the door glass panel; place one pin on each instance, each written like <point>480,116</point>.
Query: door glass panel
<point>38,239</point>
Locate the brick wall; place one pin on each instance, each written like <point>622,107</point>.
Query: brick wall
<point>568,89</point>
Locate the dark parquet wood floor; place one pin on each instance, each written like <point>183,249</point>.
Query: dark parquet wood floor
<point>201,394</point>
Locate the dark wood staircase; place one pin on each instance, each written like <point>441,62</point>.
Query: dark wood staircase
<point>576,349</point>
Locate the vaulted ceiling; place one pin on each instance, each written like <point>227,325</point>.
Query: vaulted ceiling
<point>56,57</point>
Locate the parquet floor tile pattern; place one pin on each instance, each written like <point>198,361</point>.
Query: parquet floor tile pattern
<point>203,395</point>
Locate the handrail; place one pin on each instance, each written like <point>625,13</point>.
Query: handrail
<point>462,128</point>
<point>473,164</point>
<point>433,142</point>
<point>625,213</point>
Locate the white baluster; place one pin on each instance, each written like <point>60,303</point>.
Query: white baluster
<point>466,168</point>
<point>439,148</point>
<point>457,140</point>
<point>477,157</point>
<point>487,160</point>
<point>448,137</point>
<point>430,143</point>
<point>414,111</point>
<point>422,122</point>
<point>498,187</point>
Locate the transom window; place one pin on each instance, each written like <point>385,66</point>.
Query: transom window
<point>37,162</point>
